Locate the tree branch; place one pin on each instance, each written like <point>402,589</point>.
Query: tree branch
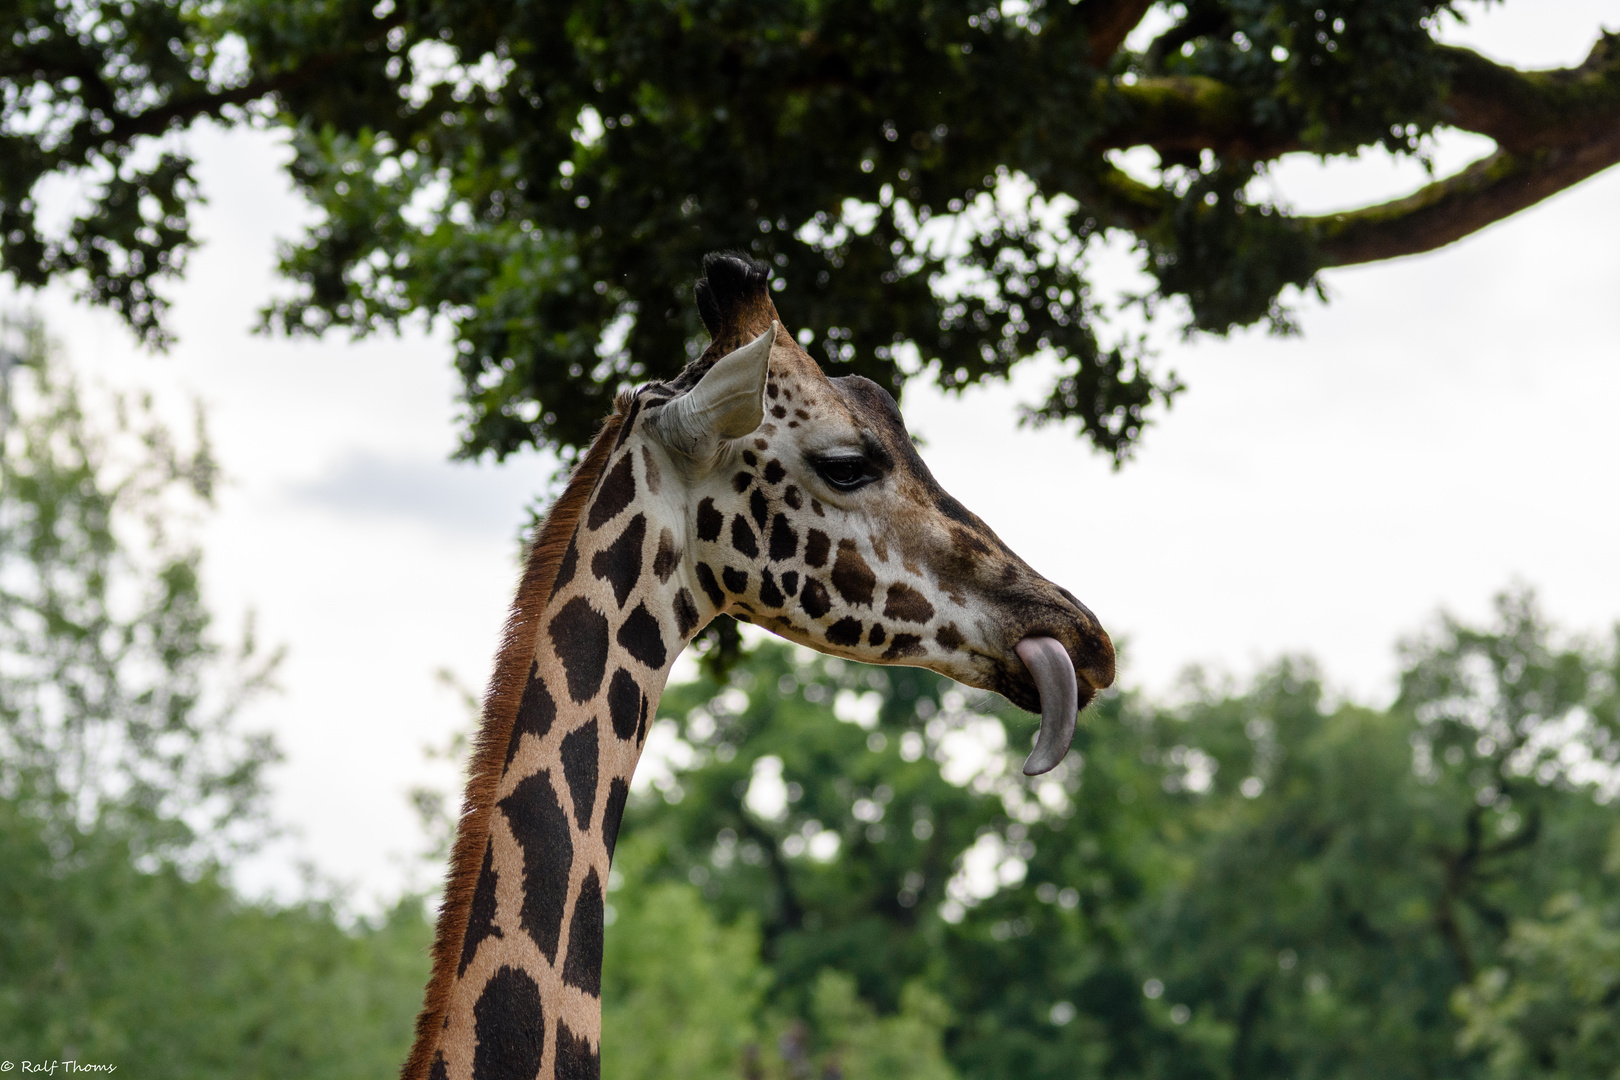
<point>1531,110</point>
<point>156,121</point>
<point>1182,113</point>
<point>1248,1018</point>
<point>1120,200</point>
<point>184,109</point>
<point>1554,129</point>
<point>1521,110</point>
<point>1108,24</point>
<point>1445,211</point>
<point>1459,869</point>
<point>1199,21</point>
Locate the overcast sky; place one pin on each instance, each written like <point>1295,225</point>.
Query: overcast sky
<point>1445,426</point>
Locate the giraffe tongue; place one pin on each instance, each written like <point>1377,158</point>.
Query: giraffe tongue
<point>1048,661</point>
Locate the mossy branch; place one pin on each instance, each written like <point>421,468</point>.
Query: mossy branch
<point>1553,130</point>
<point>1530,110</point>
<point>1177,114</point>
<point>1447,210</point>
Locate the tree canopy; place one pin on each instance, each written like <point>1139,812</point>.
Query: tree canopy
<point>925,179</point>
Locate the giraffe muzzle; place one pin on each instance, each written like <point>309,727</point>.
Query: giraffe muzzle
<point>1048,662</point>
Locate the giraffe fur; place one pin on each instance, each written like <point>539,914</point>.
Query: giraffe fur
<point>751,485</point>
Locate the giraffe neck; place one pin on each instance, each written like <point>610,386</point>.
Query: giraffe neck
<point>603,611</point>
<point>527,996</point>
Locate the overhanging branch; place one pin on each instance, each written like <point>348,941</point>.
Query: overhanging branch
<point>1187,113</point>
<point>1109,23</point>
<point>1520,110</point>
<point>1447,210</point>
<point>184,110</point>
<point>1441,213</point>
<point>1554,129</point>
<point>1120,200</point>
<point>1527,110</point>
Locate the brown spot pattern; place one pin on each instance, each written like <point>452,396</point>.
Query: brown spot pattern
<point>816,547</point>
<point>904,645</point>
<point>815,600</point>
<point>851,576</point>
<point>743,538</point>
<point>845,632</point>
<point>668,558</point>
<point>618,488</point>
<point>907,604</point>
<point>649,468</point>
<point>709,521</point>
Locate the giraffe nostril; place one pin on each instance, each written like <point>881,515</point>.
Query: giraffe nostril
<point>1096,665</point>
<point>1075,600</point>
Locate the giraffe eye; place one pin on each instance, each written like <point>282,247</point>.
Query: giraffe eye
<point>845,473</point>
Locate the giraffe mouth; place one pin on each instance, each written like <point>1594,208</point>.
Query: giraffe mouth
<point>1049,664</point>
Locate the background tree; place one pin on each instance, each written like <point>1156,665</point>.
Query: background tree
<point>925,180</point>
<point>127,789</point>
<point>1254,883</point>
<point>116,704</point>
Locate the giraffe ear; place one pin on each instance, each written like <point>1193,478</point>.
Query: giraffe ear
<point>727,403</point>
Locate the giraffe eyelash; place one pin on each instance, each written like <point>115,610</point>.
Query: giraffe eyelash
<point>845,473</point>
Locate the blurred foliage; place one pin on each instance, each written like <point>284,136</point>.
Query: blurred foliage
<point>1254,882</point>
<point>116,704</point>
<point>684,994</point>
<point>162,972</point>
<point>928,182</point>
<point>1553,1007</point>
<point>685,989</point>
<point>126,786</point>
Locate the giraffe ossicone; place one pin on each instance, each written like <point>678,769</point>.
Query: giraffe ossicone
<point>752,485</point>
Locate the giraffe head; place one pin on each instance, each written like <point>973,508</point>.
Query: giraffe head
<point>807,511</point>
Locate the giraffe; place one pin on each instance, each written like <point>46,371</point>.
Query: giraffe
<point>752,485</point>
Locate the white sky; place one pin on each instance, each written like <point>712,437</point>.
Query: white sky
<point>1445,426</point>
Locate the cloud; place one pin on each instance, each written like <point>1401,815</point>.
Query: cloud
<point>454,497</point>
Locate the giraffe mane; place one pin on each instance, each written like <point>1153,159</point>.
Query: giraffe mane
<point>495,730</point>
